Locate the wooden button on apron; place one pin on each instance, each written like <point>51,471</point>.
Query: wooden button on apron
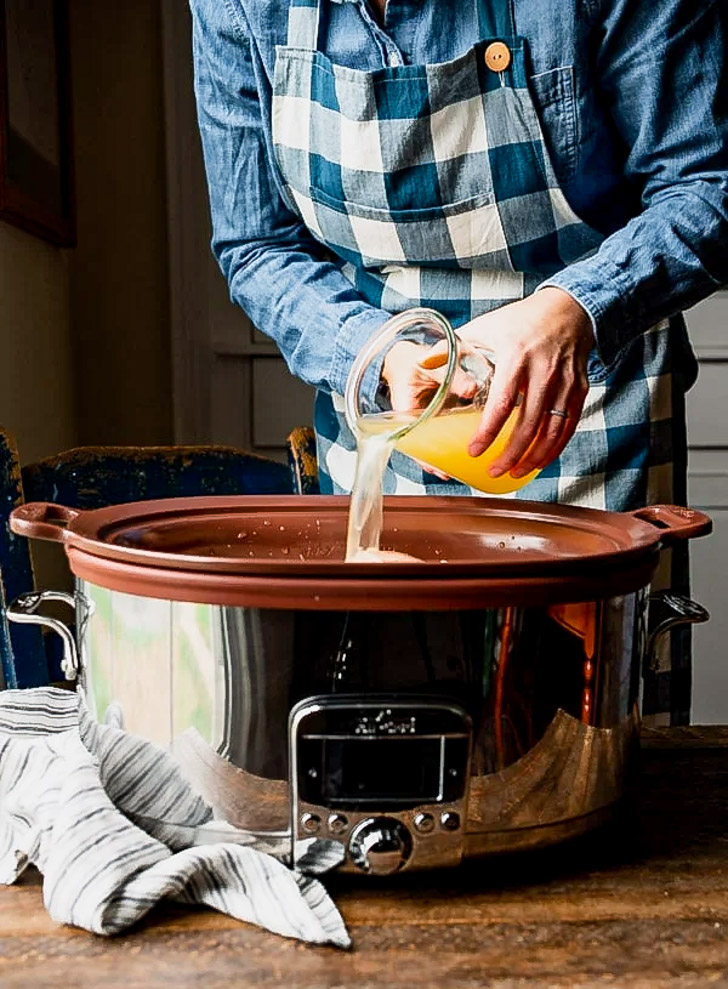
<point>497,56</point>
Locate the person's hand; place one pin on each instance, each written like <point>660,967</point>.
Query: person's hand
<point>540,347</point>
<point>413,373</point>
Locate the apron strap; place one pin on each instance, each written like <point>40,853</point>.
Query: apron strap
<point>303,24</point>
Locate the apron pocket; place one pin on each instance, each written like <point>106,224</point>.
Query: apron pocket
<point>467,234</point>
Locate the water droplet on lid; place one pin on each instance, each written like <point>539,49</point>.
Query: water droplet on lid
<point>282,528</point>
<point>266,521</point>
<point>316,597</point>
<point>242,535</point>
<point>285,550</point>
<point>501,545</point>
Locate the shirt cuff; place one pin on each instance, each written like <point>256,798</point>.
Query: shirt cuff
<point>352,336</point>
<point>603,291</point>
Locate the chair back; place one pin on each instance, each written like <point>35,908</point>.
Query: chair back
<point>93,477</point>
<point>16,578</point>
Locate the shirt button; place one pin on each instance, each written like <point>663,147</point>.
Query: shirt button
<point>497,56</point>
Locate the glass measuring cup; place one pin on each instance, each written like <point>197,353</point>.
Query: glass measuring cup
<point>438,430</point>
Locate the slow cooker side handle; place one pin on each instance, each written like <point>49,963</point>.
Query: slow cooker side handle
<point>675,522</point>
<point>24,611</point>
<point>666,611</point>
<point>42,520</point>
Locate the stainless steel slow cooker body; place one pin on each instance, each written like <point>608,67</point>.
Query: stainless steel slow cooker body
<point>472,731</point>
<point>416,714</point>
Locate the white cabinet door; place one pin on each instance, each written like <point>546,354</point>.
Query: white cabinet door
<point>230,383</point>
<point>708,489</point>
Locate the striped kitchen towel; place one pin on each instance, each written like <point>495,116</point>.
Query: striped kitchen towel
<point>109,821</point>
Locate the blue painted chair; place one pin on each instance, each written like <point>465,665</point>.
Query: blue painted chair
<point>92,477</point>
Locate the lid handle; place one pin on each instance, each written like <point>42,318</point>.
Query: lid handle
<point>42,520</point>
<point>675,522</point>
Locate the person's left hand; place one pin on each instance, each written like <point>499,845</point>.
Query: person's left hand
<point>540,347</point>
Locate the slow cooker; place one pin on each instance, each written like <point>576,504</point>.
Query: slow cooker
<point>481,698</point>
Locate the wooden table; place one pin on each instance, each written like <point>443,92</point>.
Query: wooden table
<point>645,905</point>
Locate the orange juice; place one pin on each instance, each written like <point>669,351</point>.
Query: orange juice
<point>442,442</point>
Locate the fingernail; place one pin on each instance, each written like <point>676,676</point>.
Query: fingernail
<point>494,471</point>
<point>475,449</point>
<point>519,472</point>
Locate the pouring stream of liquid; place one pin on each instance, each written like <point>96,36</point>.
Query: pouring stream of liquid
<point>365,508</point>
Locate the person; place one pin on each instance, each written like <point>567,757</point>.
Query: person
<point>551,175</point>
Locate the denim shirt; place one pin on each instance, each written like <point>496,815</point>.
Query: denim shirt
<point>633,100</point>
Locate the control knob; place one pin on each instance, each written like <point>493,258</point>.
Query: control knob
<point>380,845</point>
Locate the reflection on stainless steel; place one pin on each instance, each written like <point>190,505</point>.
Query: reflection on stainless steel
<point>244,800</point>
<point>572,770</point>
<point>574,773</point>
<point>256,689</point>
<point>552,726</point>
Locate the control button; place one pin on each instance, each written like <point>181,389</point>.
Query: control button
<point>338,823</point>
<point>310,823</point>
<point>424,822</point>
<point>497,56</point>
<point>380,845</point>
<point>450,820</point>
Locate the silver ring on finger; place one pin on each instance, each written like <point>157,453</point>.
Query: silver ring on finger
<point>558,412</point>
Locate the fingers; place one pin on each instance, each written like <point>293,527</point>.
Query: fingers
<point>435,357</point>
<point>554,431</point>
<point>539,436</point>
<point>547,437</point>
<point>413,376</point>
<point>462,385</point>
<point>502,399</point>
<point>410,394</point>
<point>400,372</point>
<point>524,433</point>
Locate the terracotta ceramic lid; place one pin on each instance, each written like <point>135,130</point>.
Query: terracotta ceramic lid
<point>287,551</point>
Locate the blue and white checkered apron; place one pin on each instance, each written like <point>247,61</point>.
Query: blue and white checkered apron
<point>434,187</point>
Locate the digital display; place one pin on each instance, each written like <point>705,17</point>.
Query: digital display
<point>382,769</point>
<point>383,754</point>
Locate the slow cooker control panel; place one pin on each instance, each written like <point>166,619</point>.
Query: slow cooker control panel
<point>386,776</point>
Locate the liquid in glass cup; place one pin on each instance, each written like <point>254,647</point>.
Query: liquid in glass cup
<point>438,433</point>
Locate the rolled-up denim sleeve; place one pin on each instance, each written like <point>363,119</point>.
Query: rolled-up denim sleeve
<point>661,70</point>
<point>285,280</point>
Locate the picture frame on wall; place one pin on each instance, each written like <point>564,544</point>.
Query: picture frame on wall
<point>36,160</point>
